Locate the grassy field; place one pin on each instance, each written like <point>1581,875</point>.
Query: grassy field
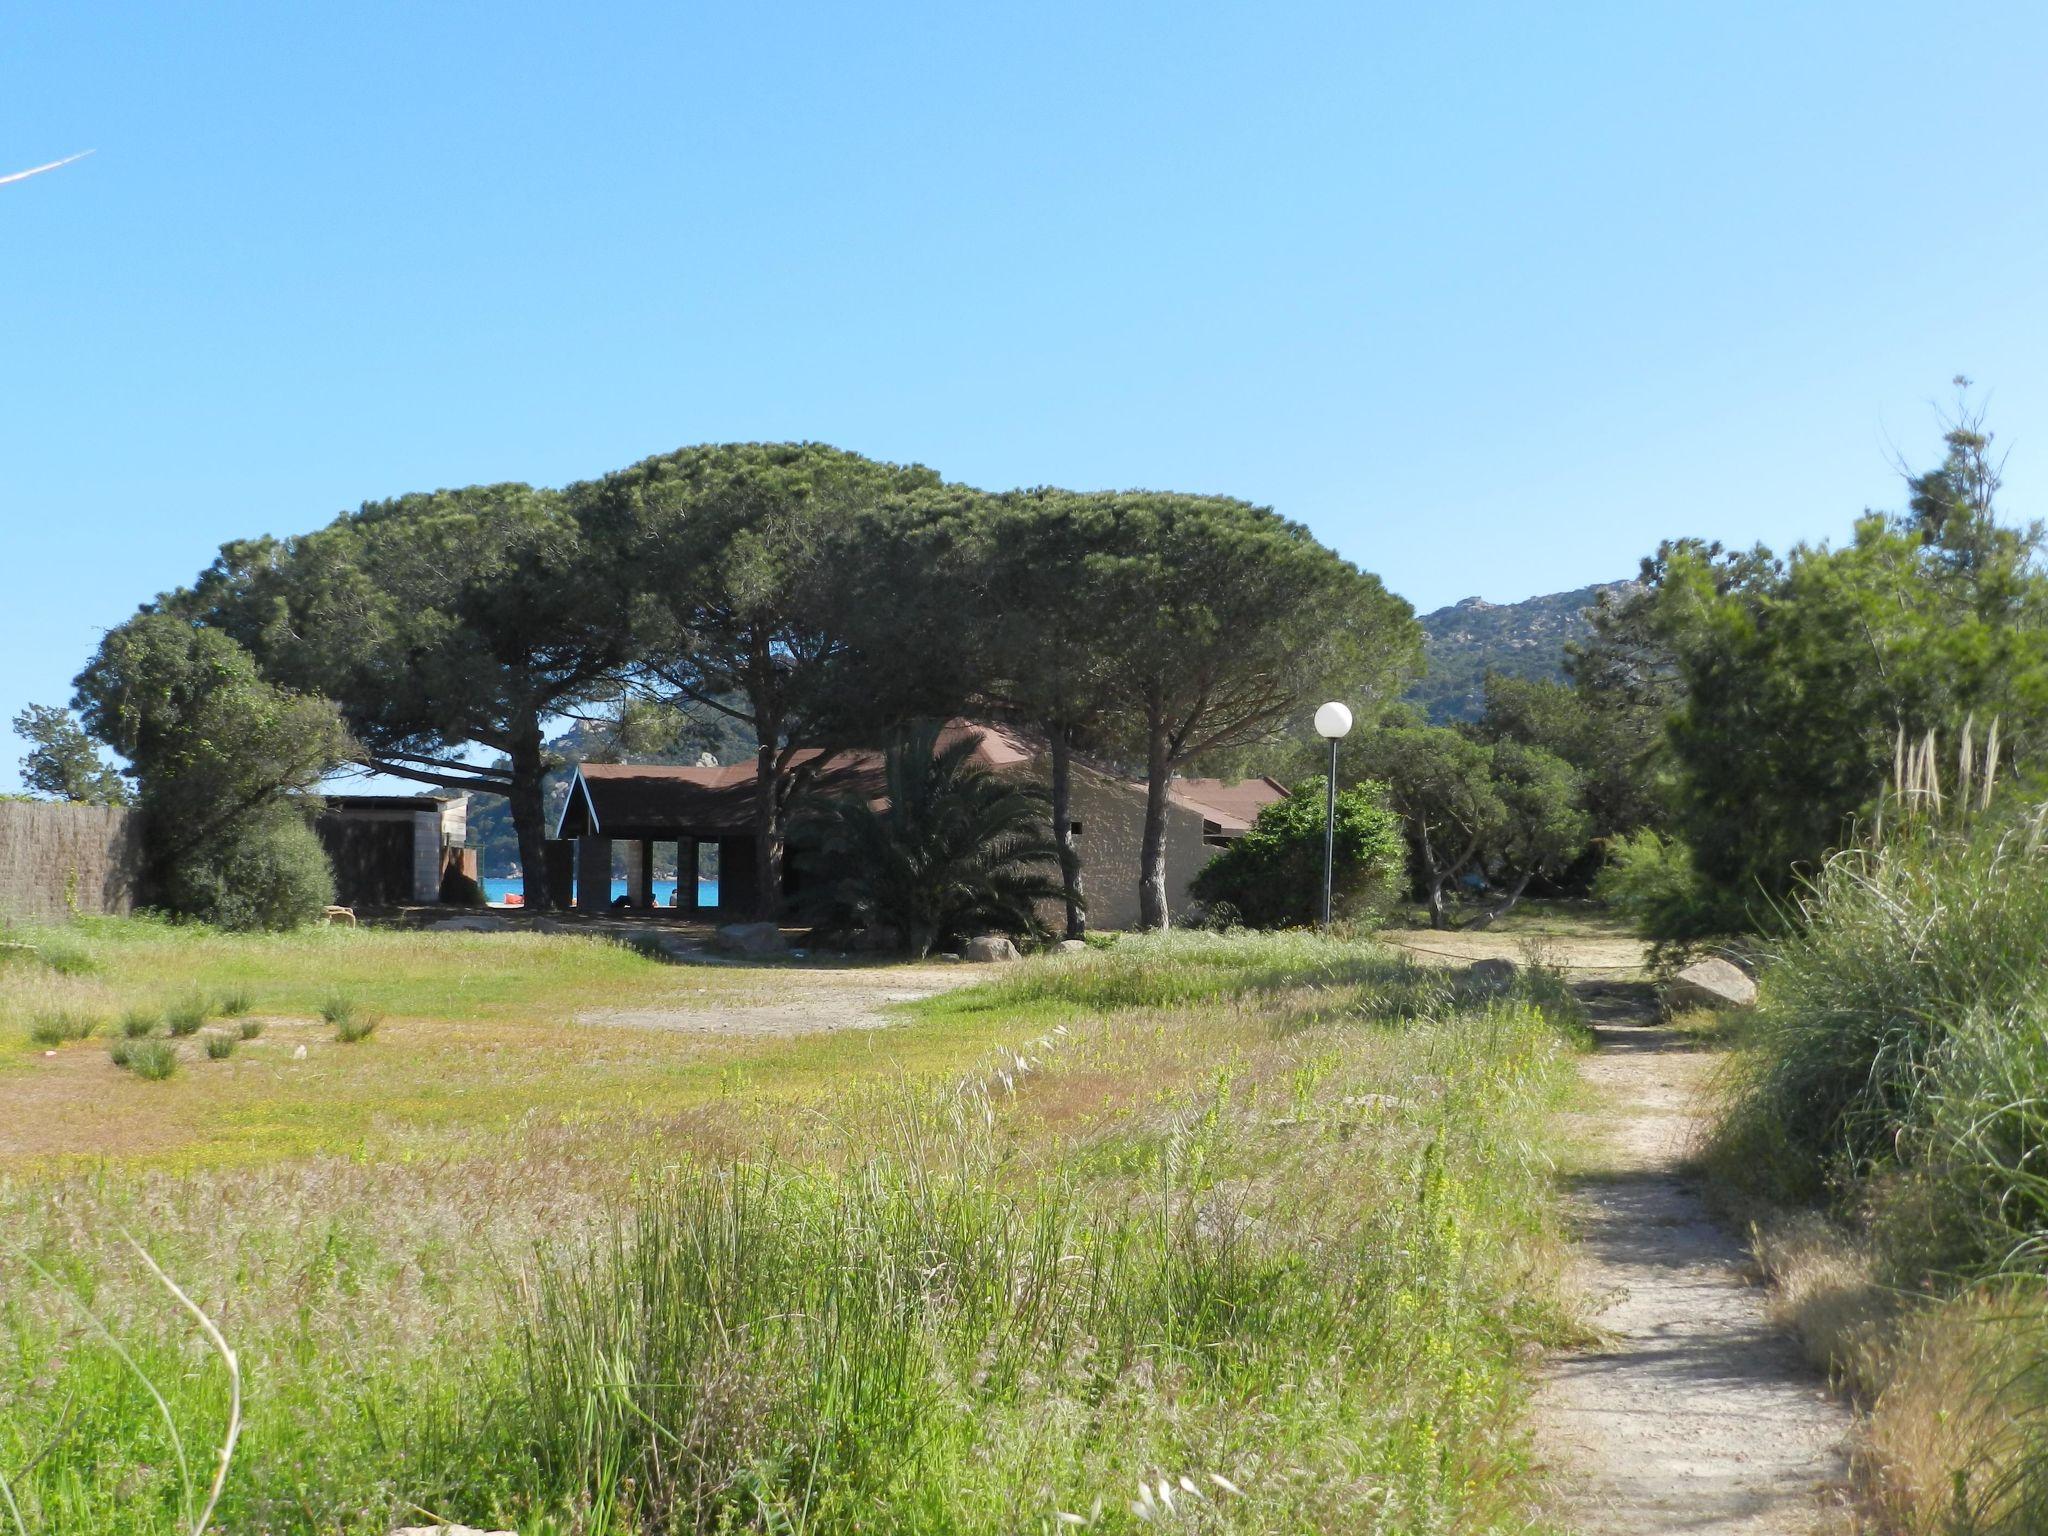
<point>1231,1234</point>
<point>478,1030</point>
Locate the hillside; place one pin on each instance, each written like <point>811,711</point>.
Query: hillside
<point>1471,638</point>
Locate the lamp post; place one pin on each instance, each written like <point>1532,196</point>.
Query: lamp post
<point>1333,720</point>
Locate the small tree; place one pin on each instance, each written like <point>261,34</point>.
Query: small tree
<point>222,760</point>
<point>1544,828</point>
<point>952,849</point>
<point>1273,874</point>
<point>1238,622</point>
<point>62,761</point>
<point>1441,782</point>
<point>786,587</point>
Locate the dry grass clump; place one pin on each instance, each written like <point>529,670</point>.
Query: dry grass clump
<point>140,1023</point>
<point>220,1045</point>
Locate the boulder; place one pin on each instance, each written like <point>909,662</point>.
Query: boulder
<point>1494,975</point>
<point>1073,946</point>
<point>1709,983</point>
<point>749,939</point>
<point>989,949</point>
<point>477,924</point>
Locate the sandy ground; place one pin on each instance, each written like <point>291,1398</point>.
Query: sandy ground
<point>1692,1414</point>
<point>799,1000</point>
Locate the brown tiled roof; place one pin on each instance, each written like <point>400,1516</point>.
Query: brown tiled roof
<point>1232,807</point>
<point>656,801</point>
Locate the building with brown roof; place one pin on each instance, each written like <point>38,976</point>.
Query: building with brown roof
<point>645,804</point>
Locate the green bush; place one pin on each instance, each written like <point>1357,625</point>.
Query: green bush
<point>220,1045</point>
<point>249,1029</point>
<point>232,1005</point>
<point>153,1060</point>
<point>266,873</point>
<point>1651,881</point>
<point>1273,875</point>
<point>140,1023</point>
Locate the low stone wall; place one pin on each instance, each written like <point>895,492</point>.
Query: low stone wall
<point>57,861</point>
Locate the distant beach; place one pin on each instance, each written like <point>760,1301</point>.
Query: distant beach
<point>496,890</point>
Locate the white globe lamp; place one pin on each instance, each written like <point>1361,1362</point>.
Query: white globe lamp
<point>1333,722</point>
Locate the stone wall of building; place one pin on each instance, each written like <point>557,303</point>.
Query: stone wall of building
<point>1112,817</point>
<point>59,861</point>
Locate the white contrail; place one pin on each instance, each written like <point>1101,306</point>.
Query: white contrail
<point>37,170</point>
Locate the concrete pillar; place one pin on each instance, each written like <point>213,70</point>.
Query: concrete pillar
<point>686,875</point>
<point>593,874</point>
<point>736,884</point>
<point>426,857</point>
<point>639,871</point>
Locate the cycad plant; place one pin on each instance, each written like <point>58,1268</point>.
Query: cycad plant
<point>951,849</point>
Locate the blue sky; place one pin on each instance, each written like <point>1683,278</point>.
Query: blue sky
<point>1493,297</point>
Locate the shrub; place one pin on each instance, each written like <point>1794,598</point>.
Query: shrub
<point>185,1016</point>
<point>352,1022</point>
<point>67,959</point>
<point>57,1027</point>
<point>955,850</point>
<point>138,1023</point>
<point>1273,875</point>
<point>1651,881</point>
<point>232,1005</point>
<point>266,873</point>
<point>249,1029</point>
<point>220,1045</point>
<point>153,1060</point>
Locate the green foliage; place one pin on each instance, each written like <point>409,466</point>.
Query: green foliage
<point>436,622</point>
<point>249,1029</point>
<point>219,754</point>
<point>1790,681</point>
<point>151,1060</point>
<point>955,850</point>
<point>62,761</point>
<point>1651,881</point>
<point>140,1023</point>
<point>1273,874</point>
<point>232,1005</point>
<point>1237,623</point>
<point>220,1045</point>
<point>268,871</point>
<point>60,1025</point>
<point>794,587</point>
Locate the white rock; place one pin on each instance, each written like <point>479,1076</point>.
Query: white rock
<point>299,1054</point>
<point>1073,946</point>
<point>1493,975</point>
<point>1710,983</point>
<point>989,949</point>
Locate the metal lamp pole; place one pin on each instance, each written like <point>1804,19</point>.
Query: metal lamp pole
<point>1333,720</point>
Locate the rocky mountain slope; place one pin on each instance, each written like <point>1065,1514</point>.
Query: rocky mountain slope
<point>1471,638</point>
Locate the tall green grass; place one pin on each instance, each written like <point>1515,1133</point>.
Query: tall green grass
<point>1268,1261</point>
<point>1896,1070</point>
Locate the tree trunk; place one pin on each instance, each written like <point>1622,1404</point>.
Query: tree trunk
<point>1152,911</point>
<point>1488,919</point>
<point>1438,917</point>
<point>1063,829</point>
<point>529,815</point>
<point>767,834</point>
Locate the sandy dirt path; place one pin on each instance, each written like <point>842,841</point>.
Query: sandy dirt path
<point>793,1000</point>
<point>1691,1414</point>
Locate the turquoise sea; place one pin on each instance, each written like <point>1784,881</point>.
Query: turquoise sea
<point>496,890</point>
